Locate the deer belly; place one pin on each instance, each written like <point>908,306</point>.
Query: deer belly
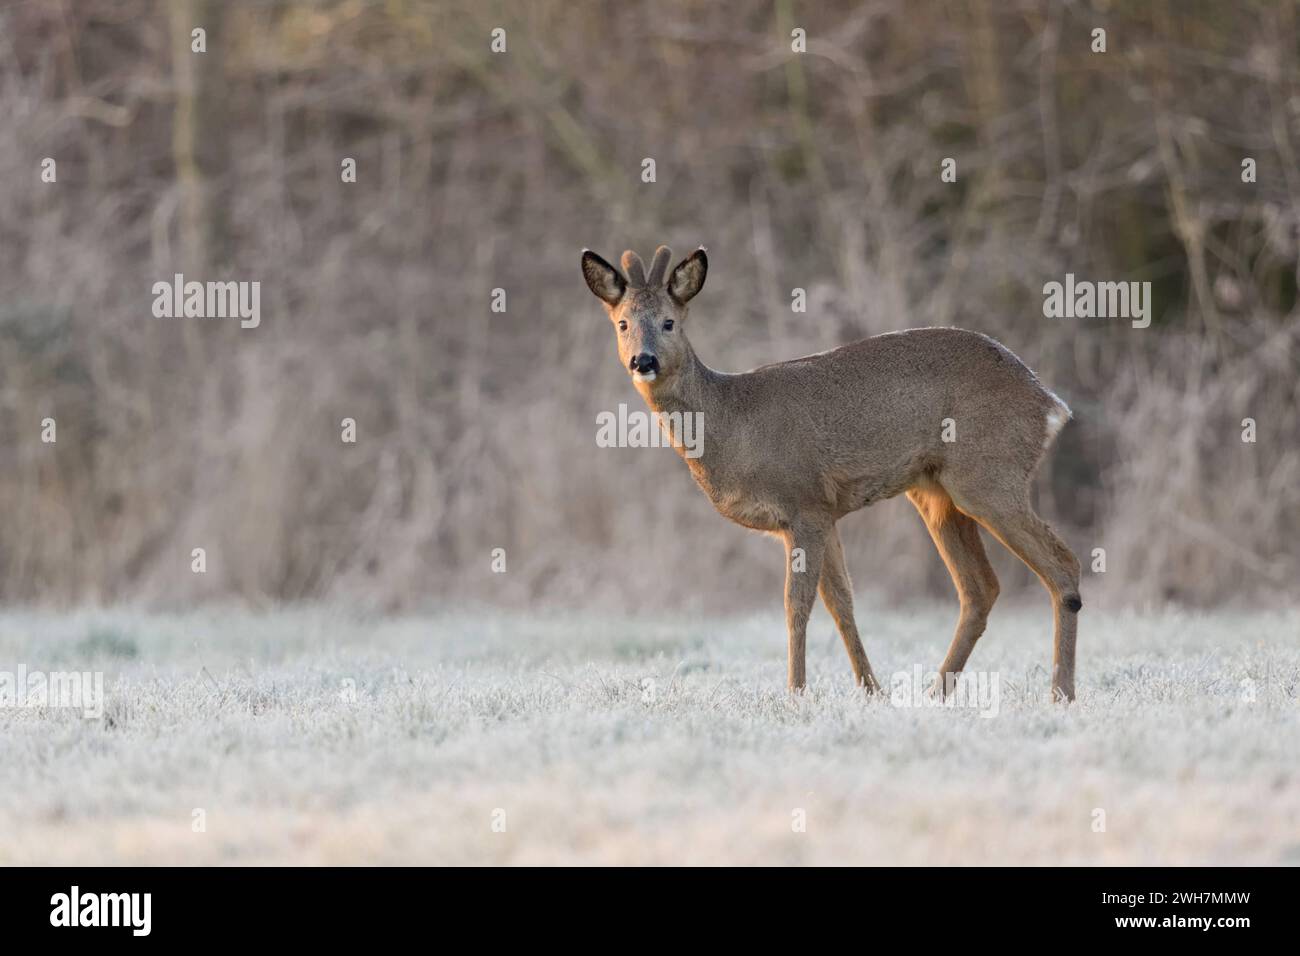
<point>850,496</point>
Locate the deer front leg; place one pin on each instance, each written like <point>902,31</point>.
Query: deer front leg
<point>837,595</point>
<point>805,548</point>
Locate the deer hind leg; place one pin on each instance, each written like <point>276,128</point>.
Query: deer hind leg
<point>805,547</point>
<point>957,537</point>
<point>1011,519</point>
<point>837,594</point>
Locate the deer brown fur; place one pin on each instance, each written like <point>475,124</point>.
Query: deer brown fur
<point>791,448</point>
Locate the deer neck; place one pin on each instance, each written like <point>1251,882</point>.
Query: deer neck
<point>699,391</point>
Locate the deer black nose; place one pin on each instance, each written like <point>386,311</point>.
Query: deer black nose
<point>645,363</point>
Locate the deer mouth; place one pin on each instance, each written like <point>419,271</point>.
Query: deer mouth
<point>644,376</point>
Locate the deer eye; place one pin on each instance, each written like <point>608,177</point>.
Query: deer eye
<point>668,325</point>
<point>622,325</point>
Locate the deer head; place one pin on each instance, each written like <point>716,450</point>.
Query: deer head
<point>648,311</point>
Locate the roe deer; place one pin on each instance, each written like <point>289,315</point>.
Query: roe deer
<point>791,448</point>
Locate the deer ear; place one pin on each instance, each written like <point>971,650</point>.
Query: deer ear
<point>602,279</point>
<point>688,278</point>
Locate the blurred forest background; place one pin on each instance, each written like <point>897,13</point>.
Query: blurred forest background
<point>478,170</point>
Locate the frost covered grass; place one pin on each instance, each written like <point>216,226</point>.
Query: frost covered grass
<point>315,737</point>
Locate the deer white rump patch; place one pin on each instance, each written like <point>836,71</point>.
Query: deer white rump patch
<point>1056,419</point>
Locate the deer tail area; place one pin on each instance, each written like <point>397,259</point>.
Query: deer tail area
<point>1058,413</point>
